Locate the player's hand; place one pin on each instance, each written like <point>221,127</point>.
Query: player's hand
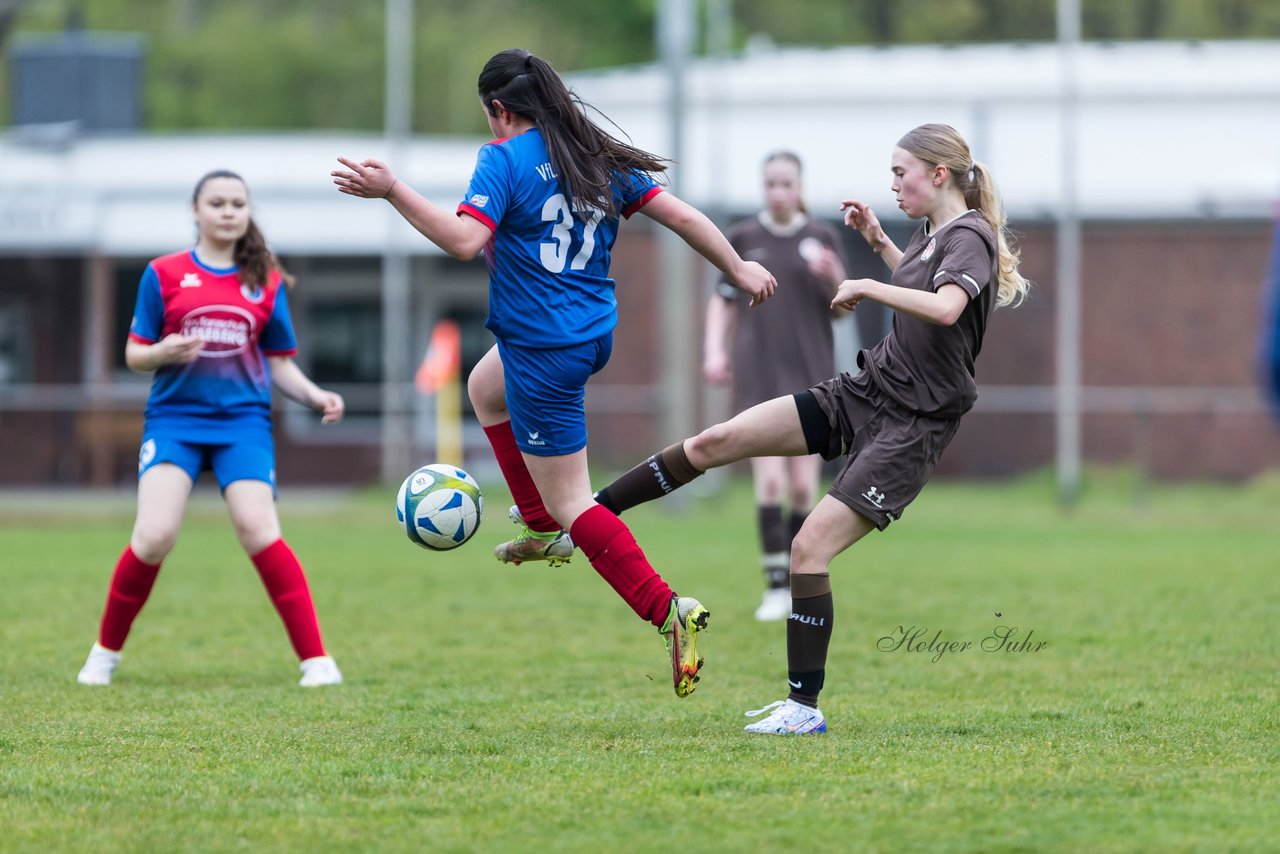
<point>827,266</point>
<point>850,293</point>
<point>177,349</point>
<point>368,179</point>
<point>756,281</point>
<point>859,216</point>
<point>331,407</point>
<point>716,370</point>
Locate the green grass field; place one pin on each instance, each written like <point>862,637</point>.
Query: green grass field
<point>509,709</point>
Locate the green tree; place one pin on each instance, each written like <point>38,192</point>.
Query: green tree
<point>223,64</point>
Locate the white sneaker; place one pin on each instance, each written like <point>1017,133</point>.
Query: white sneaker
<point>788,718</point>
<point>776,605</point>
<point>99,666</point>
<point>321,670</point>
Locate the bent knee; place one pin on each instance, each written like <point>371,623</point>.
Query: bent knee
<point>152,544</point>
<point>713,446</point>
<point>254,536</point>
<point>807,548</point>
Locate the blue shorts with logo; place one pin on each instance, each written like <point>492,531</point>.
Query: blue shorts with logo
<point>248,455</point>
<point>545,393</point>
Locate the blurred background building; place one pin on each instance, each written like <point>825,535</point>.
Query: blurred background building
<point>1175,179</point>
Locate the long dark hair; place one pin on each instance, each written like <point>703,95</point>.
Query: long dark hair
<point>252,256</point>
<point>586,158</point>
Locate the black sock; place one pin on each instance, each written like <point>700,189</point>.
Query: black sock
<point>796,521</point>
<point>774,546</point>
<point>655,477</point>
<point>808,636</point>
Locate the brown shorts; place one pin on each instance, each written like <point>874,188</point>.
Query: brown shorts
<point>892,451</point>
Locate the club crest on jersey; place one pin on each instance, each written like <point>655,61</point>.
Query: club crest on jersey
<point>928,250</point>
<point>190,280</point>
<point>252,294</point>
<point>227,330</point>
<point>812,250</point>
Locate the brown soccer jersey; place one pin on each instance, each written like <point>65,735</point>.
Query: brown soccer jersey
<point>924,367</point>
<point>785,344</point>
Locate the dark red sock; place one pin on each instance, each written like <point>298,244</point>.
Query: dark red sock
<point>130,586</point>
<point>287,586</point>
<point>519,481</point>
<point>614,553</point>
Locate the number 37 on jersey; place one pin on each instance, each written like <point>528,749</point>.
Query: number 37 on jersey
<point>565,226</point>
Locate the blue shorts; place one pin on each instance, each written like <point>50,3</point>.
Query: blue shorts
<point>545,390</point>
<point>250,456</point>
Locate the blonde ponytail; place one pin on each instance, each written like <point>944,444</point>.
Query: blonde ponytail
<point>982,196</point>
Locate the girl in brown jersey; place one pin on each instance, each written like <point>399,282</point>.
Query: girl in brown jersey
<point>894,417</point>
<point>763,354</point>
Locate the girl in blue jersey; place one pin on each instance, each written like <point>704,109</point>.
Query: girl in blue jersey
<point>213,324</point>
<point>544,205</point>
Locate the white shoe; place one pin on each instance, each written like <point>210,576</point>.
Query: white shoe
<point>776,605</point>
<point>99,666</point>
<point>788,718</point>
<point>321,670</point>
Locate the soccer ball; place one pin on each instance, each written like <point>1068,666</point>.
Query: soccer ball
<point>439,507</point>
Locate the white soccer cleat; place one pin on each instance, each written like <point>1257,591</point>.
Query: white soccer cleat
<point>99,666</point>
<point>776,605</point>
<point>321,670</point>
<point>788,718</point>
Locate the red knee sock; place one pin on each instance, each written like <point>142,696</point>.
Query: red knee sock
<point>519,481</point>
<point>287,586</point>
<point>130,587</point>
<point>613,553</point>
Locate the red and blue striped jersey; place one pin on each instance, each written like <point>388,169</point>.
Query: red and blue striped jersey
<point>229,382</point>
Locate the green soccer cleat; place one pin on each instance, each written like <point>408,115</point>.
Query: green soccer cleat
<point>554,547</point>
<point>686,620</point>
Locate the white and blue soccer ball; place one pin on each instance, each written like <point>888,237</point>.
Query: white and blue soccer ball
<point>439,507</point>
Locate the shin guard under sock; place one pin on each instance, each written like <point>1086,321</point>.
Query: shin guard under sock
<point>287,586</point>
<point>664,472</point>
<point>616,556</point>
<point>130,586</point>
<point>808,635</point>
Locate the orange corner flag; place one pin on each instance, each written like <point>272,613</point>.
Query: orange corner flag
<point>443,362</point>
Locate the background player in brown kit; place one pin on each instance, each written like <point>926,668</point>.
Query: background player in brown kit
<point>894,417</point>
<point>765,354</point>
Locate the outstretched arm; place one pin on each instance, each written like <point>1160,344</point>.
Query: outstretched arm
<point>701,233</point>
<point>463,237</point>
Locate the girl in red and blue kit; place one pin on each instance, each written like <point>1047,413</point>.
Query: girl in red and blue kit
<point>213,324</point>
<point>544,205</point>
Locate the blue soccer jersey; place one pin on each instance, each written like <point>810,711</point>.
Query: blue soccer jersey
<point>549,283</point>
<point>228,385</point>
